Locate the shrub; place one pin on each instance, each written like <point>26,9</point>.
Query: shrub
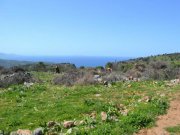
<point>15,78</point>
<point>74,77</point>
<point>174,130</point>
<point>159,65</point>
<point>68,78</point>
<point>140,67</point>
<point>88,78</point>
<point>161,105</point>
<point>109,65</point>
<point>17,69</point>
<point>113,77</point>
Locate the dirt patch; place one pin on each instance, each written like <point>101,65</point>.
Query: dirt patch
<point>172,118</point>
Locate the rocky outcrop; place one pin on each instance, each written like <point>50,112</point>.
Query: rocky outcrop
<point>15,78</point>
<point>68,124</point>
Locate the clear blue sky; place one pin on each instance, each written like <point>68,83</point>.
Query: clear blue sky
<point>89,27</point>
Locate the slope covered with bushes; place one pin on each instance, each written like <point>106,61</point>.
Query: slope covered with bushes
<point>166,66</point>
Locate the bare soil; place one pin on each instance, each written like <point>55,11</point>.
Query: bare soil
<point>172,118</point>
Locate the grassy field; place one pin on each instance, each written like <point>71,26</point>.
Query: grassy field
<point>130,106</point>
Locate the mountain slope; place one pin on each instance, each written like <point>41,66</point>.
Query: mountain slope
<point>166,66</point>
<point>11,63</point>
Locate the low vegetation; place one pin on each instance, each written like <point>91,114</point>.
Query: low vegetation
<point>87,101</point>
<point>129,106</point>
<point>160,67</point>
<point>174,130</point>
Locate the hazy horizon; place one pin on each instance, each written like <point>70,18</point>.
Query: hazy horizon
<point>87,61</point>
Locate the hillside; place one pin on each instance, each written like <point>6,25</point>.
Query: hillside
<point>11,63</point>
<point>89,101</point>
<point>166,66</point>
<point>123,108</point>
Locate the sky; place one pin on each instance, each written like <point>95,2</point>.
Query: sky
<point>121,28</point>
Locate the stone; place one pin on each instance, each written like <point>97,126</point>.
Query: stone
<point>98,95</point>
<point>69,131</point>
<point>68,124</point>
<point>162,95</point>
<point>96,77</point>
<point>120,106</point>
<point>15,78</point>
<point>124,112</point>
<point>24,132</point>
<point>103,116</point>
<point>81,122</point>
<point>140,100</point>
<point>78,123</point>
<point>100,80</point>
<point>175,81</point>
<point>28,85</point>
<point>146,99</point>
<point>51,124</point>
<point>13,133</point>
<point>38,131</point>
<point>109,85</point>
<point>1,132</point>
<point>93,115</point>
<point>105,83</point>
<point>114,118</point>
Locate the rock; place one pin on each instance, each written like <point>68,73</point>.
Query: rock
<point>28,85</point>
<point>103,116</point>
<point>114,118</point>
<point>120,106</point>
<point>173,82</point>
<point>124,112</point>
<point>169,84</point>
<point>140,100</point>
<point>93,115</point>
<point>68,124</point>
<point>69,131</point>
<point>105,83</point>
<point>100,80</point>
<point>146,99</point>
<point>24,132</point>
<point>109,85</point>
<point>130,78</point>
<point>51,124</point>
<point>78,123</point>
<point>136,79</point>
<point>15,78</point>
<point>98,95</point>
<point>162,95</point>
<point>13,133</point>
<point>81,122</point>
<point>1,132</point>
<point>38,131</point>
<point>96,77</point>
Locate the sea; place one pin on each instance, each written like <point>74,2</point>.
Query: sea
<point>86,61</point>
<point>81,60</point>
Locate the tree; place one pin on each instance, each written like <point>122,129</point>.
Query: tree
<point>109,65</point>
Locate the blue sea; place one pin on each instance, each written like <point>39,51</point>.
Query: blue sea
<point>86,61</point>
<point>81,61</point>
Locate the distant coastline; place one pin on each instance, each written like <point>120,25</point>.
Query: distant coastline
<point>86,61</point>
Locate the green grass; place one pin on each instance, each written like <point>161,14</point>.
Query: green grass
<point>29,108</point>
<point>174,130</point>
